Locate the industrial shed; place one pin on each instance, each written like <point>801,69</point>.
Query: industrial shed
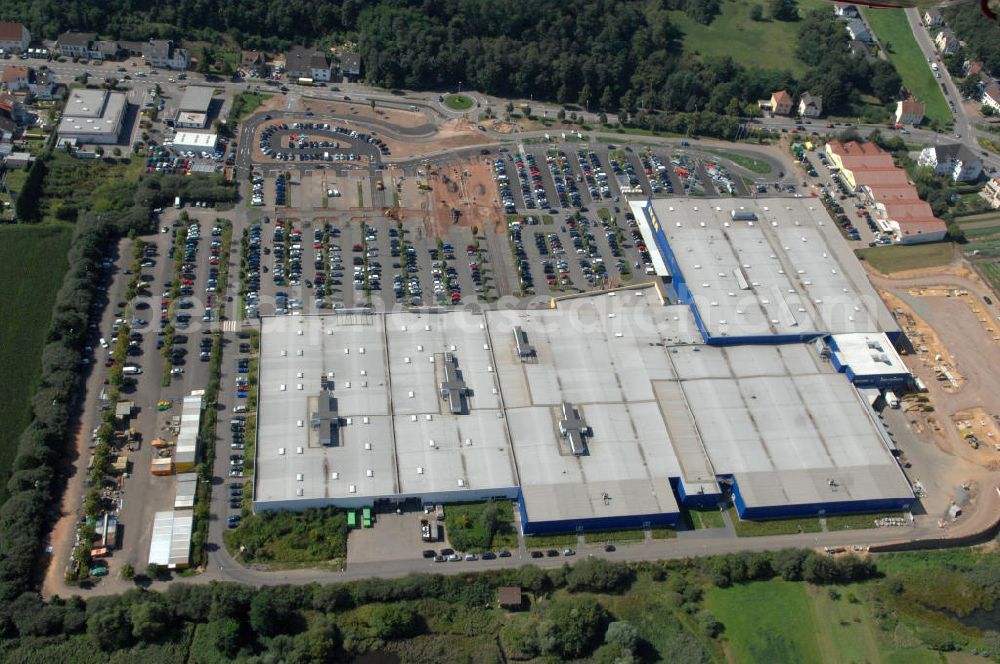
<point>170,544</point>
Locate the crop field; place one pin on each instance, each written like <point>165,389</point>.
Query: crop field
<point>900,257</point>
<point>891,27</point>
<point>32,264</point>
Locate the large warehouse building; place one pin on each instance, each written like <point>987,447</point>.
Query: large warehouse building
<point>612,411</point>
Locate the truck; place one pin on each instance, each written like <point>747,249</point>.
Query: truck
<point>177,203</point>
<point>427,533</point>
<point>891,399</point>
<point>439,512</point>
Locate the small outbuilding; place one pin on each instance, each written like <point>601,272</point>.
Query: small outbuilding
<point>510,598</point>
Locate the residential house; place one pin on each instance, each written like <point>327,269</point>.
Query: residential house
<point>350,65</point>
<point>14,37</point>
<point>780,103</point>
<point>254,61</point>
<point>75,44</point>
<point>859,49</point>
<point>991,97</point>
<point>857,29</point>
<point>954,160</point>
<point>991,192</point>
<point>933,18</point>
<point>810,106</point>
<point>16,78</point>
<point>972,67</point>
<point>946,42</point>
<point>133,48</point>
<point>303,62</point>
<point>44,87</point>
<point>163,53</point>
<point>909,112</point>
<point>105,49</point>
<point>12,108</point>
<point>846,11</point>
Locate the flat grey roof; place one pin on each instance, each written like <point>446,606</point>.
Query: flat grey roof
<point>197,99</point>
<point>788,273</point>
<point>91,112</point>
<point>658,403</point>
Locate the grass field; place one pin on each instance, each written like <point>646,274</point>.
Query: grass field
<point>892,28</point>
<point>858,521</point>
<point>246,103</point>
<point>749,163</point>
<point>615,536</point>
<point>706,518</point>
<point>32,264</point>
<point>746,528</point>
<point>549,541</point>
<point>757,44</point>
<point>458,102</point>
<point>900,257</point>
<point>767,622</point>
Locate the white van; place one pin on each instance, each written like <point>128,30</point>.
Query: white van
<point>239,409</point>
<point>131,370</point>
<point>104,343</point>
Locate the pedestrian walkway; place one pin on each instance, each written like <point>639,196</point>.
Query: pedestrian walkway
<point>231,326</point>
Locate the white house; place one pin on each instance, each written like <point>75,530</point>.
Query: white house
<point>810,106</point>
<point>303,62</point>
<point>991,96</point>
<point>933,18</point>
<point>163,53</point>
<point>909,112</point>
<point>946,42</point>
<point>954,160</point>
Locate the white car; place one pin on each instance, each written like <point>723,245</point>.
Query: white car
<point>176,371</point>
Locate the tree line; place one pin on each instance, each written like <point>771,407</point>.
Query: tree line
<point>38,471</point>
<point>334,622</point>
<point>605,55</point>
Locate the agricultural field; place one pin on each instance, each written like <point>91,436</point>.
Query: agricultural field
<point>32,264</point>
<point>758,44</point>
<point>891,27</point>
<point>898,258</point>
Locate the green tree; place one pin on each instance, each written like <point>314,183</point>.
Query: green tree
<point>109,628</point>
<point>150,620</point>
<point>225,635</point>
<point>393,621</point>
<point>572,627</point>
<point>756,13</point>
<point>598,575</point>
<point>623,633</point>
<point>784,10</point>
<point>969,87</point>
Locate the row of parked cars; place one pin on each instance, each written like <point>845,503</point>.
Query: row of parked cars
<point>252,256</point>
<point>302,141</point>
<point>257,195</point>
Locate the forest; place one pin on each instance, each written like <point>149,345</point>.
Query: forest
<point>603,55</point>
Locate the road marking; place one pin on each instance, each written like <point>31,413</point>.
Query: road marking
<point>230,326</point>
